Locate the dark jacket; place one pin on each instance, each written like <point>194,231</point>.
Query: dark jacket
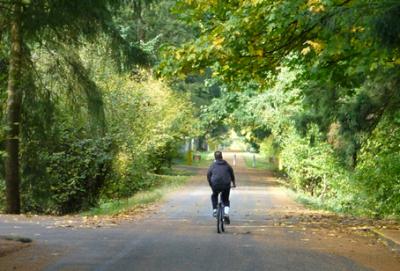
<point>220,173</point>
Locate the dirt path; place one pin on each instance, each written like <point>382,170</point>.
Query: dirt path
<point>269,231</point>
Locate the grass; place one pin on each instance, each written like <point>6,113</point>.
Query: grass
<point>206,159</point>
<point>168,183</point>
<point>342,205</point>
<point>176,172</point>
<point>316,203</point>
<point>338,205</point>
<point>261,162</point>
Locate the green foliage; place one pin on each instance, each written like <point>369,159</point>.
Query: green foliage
<point>310,163</point>
<point>94,123</point>
<point>74,176</point>
<point>335,41</point>
<point>74,166</point>
<point>313,81</point>
<point>270,150</point>
<point>378,172</point>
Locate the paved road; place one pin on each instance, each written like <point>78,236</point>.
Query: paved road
<point>181,235</point>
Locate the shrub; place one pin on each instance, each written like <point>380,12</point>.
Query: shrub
<point>378,170</point>
<point>74,176</point>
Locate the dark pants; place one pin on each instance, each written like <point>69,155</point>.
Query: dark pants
<point>225,190</point>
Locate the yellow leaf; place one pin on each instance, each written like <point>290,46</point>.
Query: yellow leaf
<point>316,45</point>
<point>355,29</point>
<point>260,52</point>
<point>178,55</point>
<point>218,41</point>
<point>305,51</point>
<point>315,6</point>
<point>255,2</point>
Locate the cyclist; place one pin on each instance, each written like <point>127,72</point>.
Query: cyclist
<point>219,176</point>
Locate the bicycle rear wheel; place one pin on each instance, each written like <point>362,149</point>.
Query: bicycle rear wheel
<point>220,219</point>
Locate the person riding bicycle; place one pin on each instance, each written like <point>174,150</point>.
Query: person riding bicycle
<point>219,176</point>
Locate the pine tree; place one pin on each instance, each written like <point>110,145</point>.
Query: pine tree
<point>31,23</point>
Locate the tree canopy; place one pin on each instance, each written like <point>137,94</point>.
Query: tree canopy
<point>313,79</point>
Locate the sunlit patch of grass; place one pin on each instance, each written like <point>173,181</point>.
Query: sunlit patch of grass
<point>261,162</point>
<point>168,183</point>
<point>176,172</point>
<point>206,158</point>
<point>339,205</point>
<point>345,204</point>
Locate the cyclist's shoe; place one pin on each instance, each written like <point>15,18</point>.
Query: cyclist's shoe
<point>215,213</point>
<point>226,219</point>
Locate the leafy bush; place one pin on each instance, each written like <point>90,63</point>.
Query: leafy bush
<point>74,176</point>
<point>309,163</point>
<point>378,170</point>
<point>147,122</point>
<point>78,173</point>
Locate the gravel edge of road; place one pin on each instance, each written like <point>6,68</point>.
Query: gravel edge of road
<point>387,240</point>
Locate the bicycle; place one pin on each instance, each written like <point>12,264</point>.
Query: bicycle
<point>220,213</point>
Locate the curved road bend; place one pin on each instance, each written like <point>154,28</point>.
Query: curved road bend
<point>181,235</point>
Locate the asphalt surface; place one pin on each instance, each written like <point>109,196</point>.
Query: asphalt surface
<point>181,235</point>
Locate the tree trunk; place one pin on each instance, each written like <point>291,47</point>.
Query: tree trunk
<point>14,113</point>
<point>140,25</point>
